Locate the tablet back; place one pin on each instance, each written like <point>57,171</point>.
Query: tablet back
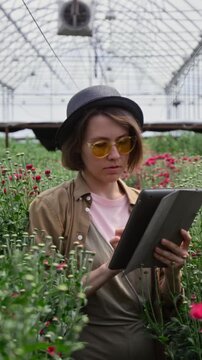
<point>146,205</point>
<point>176,211</point>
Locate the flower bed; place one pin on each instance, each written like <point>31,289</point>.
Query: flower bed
<point>41,297</point>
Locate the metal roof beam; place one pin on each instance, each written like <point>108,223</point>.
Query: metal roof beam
<point>6,86</point>
<point>186,64</point>
<point>32,46</point>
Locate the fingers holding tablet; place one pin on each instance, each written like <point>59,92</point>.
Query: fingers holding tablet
<point>171,254</point>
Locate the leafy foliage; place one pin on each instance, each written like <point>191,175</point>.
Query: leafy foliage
<point>41,297</point>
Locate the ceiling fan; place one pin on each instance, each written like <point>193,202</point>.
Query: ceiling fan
<point>75,18</point>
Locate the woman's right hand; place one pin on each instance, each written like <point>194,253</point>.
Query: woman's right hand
<point>115,240</point>
<point>98,277</point>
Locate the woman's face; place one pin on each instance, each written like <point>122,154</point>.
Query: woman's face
<point>107,169</point>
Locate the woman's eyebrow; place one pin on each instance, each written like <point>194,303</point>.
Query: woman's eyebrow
<point>98,138</point>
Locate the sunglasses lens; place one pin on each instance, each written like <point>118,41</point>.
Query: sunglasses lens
<point>125,145</point>
<point>100,149</point>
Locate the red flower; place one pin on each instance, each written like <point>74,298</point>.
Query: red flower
<point>171,166</point>
<point>18,176</point>
<point>196,253</point>
<point>51,350</point>
<point>3,171</point>
<point>165,174</point>
<point>47,172</point>
<point>29,166</point>
<point>38,178</point>
<point>193,297</point>
<point>170,160</point>
<point>185,158</point>
<point>5,191</point>
<point>196,158</point>
<point>41,332</point>
<point>47,323</point>
<point>15,294</point>
<point>196,311</point>
<point>46,264</point>
<point>150,161</point>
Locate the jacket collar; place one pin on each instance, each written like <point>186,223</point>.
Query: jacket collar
<point>81,189</point>
<point>131,193</point>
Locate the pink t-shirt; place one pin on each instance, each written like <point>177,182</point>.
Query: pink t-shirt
<point>108,215</point>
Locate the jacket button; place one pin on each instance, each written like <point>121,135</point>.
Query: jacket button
<point>87,209</point>
<point>88,198</point>
<point>80,237</point>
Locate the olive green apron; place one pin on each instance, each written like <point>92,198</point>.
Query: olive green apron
<point>116,330</point>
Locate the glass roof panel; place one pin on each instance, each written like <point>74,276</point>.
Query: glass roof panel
<point>138,46</point>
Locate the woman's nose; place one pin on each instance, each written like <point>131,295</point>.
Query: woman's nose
<point>114,153</point>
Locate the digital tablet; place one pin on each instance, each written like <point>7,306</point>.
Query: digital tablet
<point>157,214</point>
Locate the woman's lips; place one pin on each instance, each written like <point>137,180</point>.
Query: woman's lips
<point>112,169</point>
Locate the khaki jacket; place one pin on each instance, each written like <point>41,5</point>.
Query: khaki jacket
<point>64,211</point>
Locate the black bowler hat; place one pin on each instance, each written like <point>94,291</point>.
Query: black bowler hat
<point>98,96</point>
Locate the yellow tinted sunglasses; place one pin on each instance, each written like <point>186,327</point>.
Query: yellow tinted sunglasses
<point>102,148</point>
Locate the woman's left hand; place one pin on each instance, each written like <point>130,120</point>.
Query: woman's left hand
<point>172,255</point>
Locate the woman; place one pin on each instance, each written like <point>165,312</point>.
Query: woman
<point>101,139</point>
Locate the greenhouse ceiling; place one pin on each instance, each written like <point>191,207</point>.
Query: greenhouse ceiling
<point>50,49</point>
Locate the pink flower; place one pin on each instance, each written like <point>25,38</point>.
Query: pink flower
<point>61,266</point>
<point>196,311</point>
